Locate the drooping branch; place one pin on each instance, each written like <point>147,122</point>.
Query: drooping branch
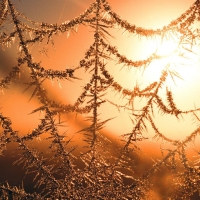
<point>186,19</point>
<point>104,174</point>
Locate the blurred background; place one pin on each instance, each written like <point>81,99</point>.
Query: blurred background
<point>67,52</point>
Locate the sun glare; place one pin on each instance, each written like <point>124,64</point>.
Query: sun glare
<point>181,61</point>
<point>177,58</point>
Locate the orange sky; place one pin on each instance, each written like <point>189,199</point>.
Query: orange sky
<point>69,51</point>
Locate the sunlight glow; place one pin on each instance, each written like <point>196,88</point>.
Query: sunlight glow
<point>182,62</point>
<point>177,58</point>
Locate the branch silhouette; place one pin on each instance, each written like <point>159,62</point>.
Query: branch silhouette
<point>94,171</point>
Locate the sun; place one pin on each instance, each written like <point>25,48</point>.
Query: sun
<point>179,59</point>
<point>182,63</point>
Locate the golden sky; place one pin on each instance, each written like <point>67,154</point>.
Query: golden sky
<point>68,51</point>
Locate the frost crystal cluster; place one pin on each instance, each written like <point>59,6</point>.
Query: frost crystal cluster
<point>93,171</point>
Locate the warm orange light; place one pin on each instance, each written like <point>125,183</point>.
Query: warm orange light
<point>181,61</point>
